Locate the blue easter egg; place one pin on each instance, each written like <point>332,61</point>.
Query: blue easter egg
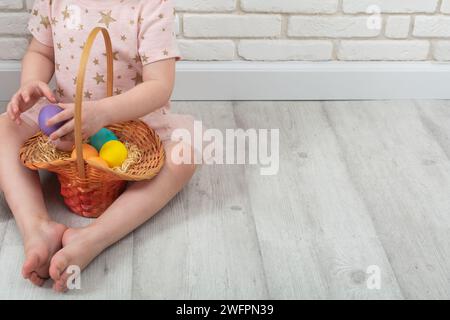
<point>46,114</point>
<point>102,137</point>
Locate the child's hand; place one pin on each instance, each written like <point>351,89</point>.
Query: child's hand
<point>92,121</point>
<point>26,97</point>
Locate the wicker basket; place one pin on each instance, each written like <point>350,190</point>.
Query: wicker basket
<point>88,188</point>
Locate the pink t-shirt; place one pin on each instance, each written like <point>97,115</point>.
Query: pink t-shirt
<point>142,32</point>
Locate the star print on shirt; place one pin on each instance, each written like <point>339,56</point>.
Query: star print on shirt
<point>115,55</point>
<point>99,78</point>
<point>149,39</point>
<point>106,18</point>
<point>88,95</point>
<point>144,58</point>
<point>45,21</point>
<point>66,13</point>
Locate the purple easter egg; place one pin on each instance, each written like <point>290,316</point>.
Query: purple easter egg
<point>46,114</point>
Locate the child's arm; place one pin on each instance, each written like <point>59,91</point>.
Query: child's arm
<point>152,94</point>
<point>37,71</point>
<point>38,63</point>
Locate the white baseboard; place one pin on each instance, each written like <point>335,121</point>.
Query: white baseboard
<point>9,79</point>
<point>294,80</point>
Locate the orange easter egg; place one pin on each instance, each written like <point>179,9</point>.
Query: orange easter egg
<point>99,161</point>
<point>88,152</point>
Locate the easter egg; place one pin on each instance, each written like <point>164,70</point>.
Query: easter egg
<point>46,114</point>
<point>98,161</point>
<point>88,152</point>
<point>114,153</point>
<point>102,137</point>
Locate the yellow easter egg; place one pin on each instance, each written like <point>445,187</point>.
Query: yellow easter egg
<point>114,153</point>
<point>98,161</point>
<point>88,152</point>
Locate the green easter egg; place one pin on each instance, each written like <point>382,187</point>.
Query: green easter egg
<point>102,137</point>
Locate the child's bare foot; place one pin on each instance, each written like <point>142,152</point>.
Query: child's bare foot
<point>79,249</point>
<point>41,241</point>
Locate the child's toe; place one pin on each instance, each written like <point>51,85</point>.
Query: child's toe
<point>57,266</point>
<point>30,265</point>
<point>36,280</point>
<point>60,285</point>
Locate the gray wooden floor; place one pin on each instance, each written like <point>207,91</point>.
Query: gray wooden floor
<point>360,184</point>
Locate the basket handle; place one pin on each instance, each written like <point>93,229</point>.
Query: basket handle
<point>80,87</point>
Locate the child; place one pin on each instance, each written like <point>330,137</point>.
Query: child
<point>145,52</point>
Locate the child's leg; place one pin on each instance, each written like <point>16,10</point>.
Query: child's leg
<point>22,189</point>
<point>137,204</point>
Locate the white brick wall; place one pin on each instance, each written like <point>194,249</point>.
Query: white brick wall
<point>280,30</point>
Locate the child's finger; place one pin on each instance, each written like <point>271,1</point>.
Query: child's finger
<point>86,135</point>
<point>62,116</point>
<point>13,103</point>
<point>66,105</point>
<point>20,103</point>
<point>45,91</point>
<point>16,113</point>
<point>61,132</point>
<point>15,108</point>
<point>25,96</point>
<point>10,112</point>
<point>68,137</point>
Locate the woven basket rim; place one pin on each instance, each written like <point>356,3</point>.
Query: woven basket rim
<point>60,163</point>
<point>112,174</point>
